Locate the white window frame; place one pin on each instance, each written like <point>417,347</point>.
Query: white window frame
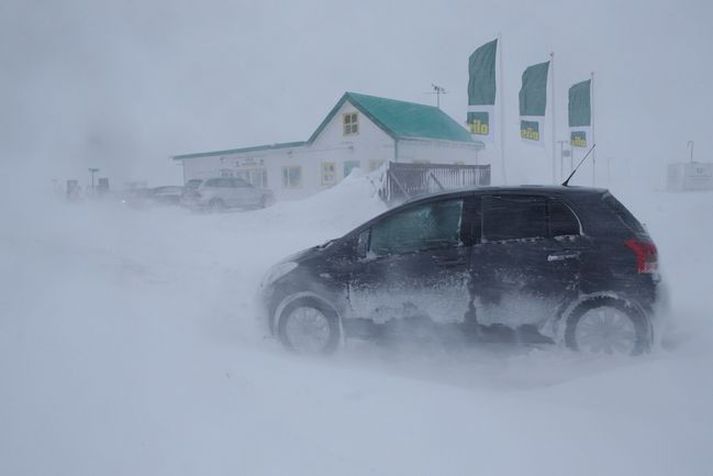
<point>355,164</point>
<point>350,123</point>
<point>329,173</point>
<point>286,183</point>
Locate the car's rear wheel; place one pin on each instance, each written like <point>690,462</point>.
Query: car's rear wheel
<point>606,325</point>
<point>309,326</point>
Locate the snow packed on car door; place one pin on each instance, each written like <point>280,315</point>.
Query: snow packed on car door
<point>415,263</point>
<point>523,268</point>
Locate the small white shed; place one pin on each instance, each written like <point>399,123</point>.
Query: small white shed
<point>685,176</point>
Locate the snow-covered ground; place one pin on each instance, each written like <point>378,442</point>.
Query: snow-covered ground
<point>128,346</point>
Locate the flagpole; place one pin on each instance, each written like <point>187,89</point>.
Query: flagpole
<point>552,105</point>
<point>594,156</point>
<point>501,80</point>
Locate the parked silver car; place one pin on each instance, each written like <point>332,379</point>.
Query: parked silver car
<point>226,192</point>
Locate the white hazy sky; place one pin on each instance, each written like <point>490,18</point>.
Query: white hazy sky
<point>123,85</point>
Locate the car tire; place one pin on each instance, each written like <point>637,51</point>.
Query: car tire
<point>607,325</point>
<point>216,205</point>
<point>309,326</point>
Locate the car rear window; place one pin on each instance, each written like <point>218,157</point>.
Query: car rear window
<point>622,213</point>
<point>563,222</point>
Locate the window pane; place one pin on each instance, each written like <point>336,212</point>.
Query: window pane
<point>514,217</point>
<point>349,166</point>
<point>294,176</point>
<point>562,220</point>
<point>436,225</point>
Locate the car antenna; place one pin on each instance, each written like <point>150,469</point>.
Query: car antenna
<point>566,182</point>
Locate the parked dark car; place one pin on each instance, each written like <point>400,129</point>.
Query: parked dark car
<point>564,265</point>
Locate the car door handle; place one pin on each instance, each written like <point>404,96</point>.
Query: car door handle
<point>563,255</point>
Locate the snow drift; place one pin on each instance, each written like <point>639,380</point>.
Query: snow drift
<point>128,346</point>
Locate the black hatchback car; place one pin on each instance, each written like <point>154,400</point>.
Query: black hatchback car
<point>565,265</point>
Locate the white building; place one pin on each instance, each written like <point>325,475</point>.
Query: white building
<point>360,131</point>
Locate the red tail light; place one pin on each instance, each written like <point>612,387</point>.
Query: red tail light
<point>646,255</point>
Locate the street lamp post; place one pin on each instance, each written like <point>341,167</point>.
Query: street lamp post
<point>92,171</point>
<point>690,145</point>
<point>562,143</point>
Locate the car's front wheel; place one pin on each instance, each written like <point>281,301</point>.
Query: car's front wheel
<point>216,205</point>
<point>606,325</point>
<point>309,326</point>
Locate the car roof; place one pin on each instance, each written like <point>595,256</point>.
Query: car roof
<point>555,190</point>
<point>550,190</point>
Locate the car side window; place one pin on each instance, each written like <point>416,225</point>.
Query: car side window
<point>513,217</point>
<point>429,226</point>
<point>240,183</point>
<point>563,222</point>
<point>213,183</point>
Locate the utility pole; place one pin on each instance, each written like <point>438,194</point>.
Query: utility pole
<point>92,171</point>
<point>690,145</point>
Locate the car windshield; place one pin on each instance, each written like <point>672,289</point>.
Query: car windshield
<point>193,184</point>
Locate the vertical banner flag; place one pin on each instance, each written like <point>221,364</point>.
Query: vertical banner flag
<point>533,103</point>
<point>481,92</point>
<point>580,114</point>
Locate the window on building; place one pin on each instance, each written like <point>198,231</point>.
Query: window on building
<point>350,165</point>
<point>351,123</point>
<point>329,173</point>
<point>292,177</point>
<point>375,164</point>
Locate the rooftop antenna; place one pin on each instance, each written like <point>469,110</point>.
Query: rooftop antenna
<point>566,182</point>
<point>438,90</point>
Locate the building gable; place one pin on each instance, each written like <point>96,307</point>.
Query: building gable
<point>401,119</point>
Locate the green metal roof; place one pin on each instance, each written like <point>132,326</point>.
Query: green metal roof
<point>401,119</point>
<point>284,145</point>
